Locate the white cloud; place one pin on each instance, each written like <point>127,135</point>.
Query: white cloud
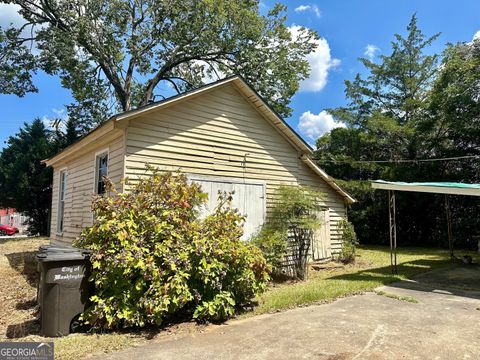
<point>9,15</point>
<point>320,61</point>
<point>60,113</point>
<point>476,36</point>
<point>315,125</point>
<point>50,124</point>
<point>209,74</point>
<point>304,8</point>
<point>370,51</point>
<point>57,121</point>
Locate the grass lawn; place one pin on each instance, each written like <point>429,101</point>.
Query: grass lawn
<point>372,269</point>
<point>19,313</point>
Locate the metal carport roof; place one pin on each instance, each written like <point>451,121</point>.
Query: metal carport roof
<point>449,188</point>
<point>446,188</point>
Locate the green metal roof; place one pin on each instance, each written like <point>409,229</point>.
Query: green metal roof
<point>442,184</point>
<point>429,187</point>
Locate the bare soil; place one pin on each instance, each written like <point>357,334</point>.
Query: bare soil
<point>18,288</point>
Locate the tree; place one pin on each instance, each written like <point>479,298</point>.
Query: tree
<point>397,86</point>
<point>25,183</point>
<point>390,103</point>
<point>290,228</point>
<point>408,108</point>
<point>113,55</point>
<point>389,120</point>
<point>387,113</point>
<point>455,108</point>
<point>66,132</point>
<point>455,129</point>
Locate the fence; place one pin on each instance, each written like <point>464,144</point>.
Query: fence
<point>296,254</point>
<point>314,247</point>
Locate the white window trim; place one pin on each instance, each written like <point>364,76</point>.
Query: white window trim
<point>60,171</point>
<point>100,152</point>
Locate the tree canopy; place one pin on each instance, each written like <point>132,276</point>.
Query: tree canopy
<point>412,106</point>
<point>115,55</point>
<point>25,183</point>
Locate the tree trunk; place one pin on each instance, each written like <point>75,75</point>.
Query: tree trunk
<point>302,239</point>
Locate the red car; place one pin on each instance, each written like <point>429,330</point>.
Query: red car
<point>7,230</point>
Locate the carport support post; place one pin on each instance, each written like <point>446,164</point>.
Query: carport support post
<point>449,228</point>
<point>393,231</point>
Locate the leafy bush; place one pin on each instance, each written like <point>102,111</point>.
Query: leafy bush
<point>273,244</point>
<point>153,257</point>
<point>291,222</point>
<point>227,271</point>
<point>349,241</point>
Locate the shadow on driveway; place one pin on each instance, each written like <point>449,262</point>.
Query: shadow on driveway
<point>458,279</point>
<point>440,276</point>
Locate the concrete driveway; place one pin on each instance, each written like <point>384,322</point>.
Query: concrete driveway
<point>445,324</point>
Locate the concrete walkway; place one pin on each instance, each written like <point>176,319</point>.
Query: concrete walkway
<point>445,324</point>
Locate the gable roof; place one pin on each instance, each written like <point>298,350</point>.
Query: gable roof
<point>250,95</point>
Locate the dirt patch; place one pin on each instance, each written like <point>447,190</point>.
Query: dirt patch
<point>336,266</point>
<point>18,281</point>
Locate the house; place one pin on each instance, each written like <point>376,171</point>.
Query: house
<point>11,217</point>
<point>222,135</point>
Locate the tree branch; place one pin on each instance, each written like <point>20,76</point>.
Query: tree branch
<point>182,79</point>
<point>173,83</point>
<point>161,74</point>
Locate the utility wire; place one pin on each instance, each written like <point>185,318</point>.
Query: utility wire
<point>403,160</point>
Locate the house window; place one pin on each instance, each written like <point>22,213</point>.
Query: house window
<point>61,200</point>
<point>101,170</point>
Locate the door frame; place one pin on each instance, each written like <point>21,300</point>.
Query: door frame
<point>326,211</point>
<point>235,180</point>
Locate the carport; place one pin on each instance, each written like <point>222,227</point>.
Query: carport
<point>445,188</point>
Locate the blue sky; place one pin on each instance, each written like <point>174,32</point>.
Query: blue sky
<point>347,27</point>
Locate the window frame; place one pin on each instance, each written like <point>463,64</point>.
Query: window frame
<point>62,195</point>
<point>96,168</point>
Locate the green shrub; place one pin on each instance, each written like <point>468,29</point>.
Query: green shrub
<point>227,271</point>
<point>349,241</point>
<point>273,244</point>
<point>153,257</point>
<point>291,222</point>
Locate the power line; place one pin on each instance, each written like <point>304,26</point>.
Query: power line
<point>403,160</point>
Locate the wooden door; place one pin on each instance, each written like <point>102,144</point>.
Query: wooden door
<point>248,198</point>
<point>321,244</point>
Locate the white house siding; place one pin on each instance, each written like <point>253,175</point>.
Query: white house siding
<point>218,133</point>
<point>80,186</point>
